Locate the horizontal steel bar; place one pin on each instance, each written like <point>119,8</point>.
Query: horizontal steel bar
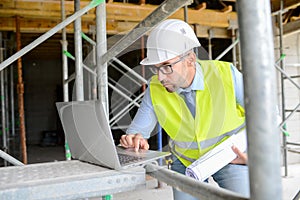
<point>192,186</point>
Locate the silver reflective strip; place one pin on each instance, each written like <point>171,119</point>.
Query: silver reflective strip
<point>173,151</point>
<point>184,145</point>
<point>207,143</point>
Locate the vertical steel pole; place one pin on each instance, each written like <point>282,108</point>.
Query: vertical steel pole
<point>257,46</point>
<point>21,95</point>
<point>78,55</point>
<point>282,87</point>
<point>210,33</point>
<point>64,44</point>
<point>12,102</point>
<point>101,49</point>
<point>3,119</point>
<point>94,78</point>
<point>185,12</point>
<point>6,104</point>
<point>233,39</point>
<point>239,56</point>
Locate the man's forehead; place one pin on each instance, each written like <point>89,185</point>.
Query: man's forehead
<point>169,61</point>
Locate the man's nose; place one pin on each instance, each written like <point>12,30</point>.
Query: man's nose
<point>161,76</point>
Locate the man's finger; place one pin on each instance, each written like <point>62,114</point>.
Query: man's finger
<point>126,140</point>
<point>136,143</point>
<point>144,144</point>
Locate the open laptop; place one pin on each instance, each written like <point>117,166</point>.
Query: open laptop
<point>90,139</point>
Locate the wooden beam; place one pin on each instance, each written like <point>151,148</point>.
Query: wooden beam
<point>291,28</point>
<point>201,6</point>
<point>288,4</point>
<point>117,13</point>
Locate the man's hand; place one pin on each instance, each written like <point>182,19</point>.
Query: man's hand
<point>134,140</point>
<point>241,158</point>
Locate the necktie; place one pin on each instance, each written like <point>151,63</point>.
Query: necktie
<point>189,100</point>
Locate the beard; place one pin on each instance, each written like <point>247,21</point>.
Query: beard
<point>169,87</point>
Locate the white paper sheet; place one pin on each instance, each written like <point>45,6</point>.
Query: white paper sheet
<point>218,157</point>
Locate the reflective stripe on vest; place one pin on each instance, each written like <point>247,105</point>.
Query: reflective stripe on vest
<point>206,143</point>
<point>180,155</point>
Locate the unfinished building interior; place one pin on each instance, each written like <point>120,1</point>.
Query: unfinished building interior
<point>62,51</point>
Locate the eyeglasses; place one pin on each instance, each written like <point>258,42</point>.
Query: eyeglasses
<point>165,69</point>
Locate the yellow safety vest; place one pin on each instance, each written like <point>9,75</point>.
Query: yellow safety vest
<point>217,114</point>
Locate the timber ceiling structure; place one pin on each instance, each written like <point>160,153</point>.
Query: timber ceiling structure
<point>38,16</point>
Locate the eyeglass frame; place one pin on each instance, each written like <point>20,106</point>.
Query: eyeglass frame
<point>155,69</point>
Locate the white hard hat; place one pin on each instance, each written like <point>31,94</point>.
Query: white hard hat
<point>169,39</point>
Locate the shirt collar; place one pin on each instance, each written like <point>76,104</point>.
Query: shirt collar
<point>198,82</point>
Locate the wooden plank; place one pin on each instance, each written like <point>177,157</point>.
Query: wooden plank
<point>115,11</point>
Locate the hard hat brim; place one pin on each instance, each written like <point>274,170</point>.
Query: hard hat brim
<point>147,61</point>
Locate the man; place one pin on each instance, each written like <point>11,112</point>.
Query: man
<point>198,103</point>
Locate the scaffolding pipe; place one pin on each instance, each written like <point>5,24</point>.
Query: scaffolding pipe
<point>163,11</point>
<point>189,185</point>
<point>78,55</point>
<point>129,92</point>
<point>82,65</point>
<point>124,111</point>
<point>6,106</point>
<point>239,56</point>
<point>126,107</point>
<point>287,76</point>
<point>3,118</point>
<point>10,159</point>
<point>210,33</point>
<point>65,74</point>
<point>282,124</point>
<point>125,74</point>
<point>119,102</point>
<point>131,71</point>
<point>64,44</point>
<point>233,38</point>
<point>48,34</point>
<point>21,95</point>
<point>101,49</point>
<point>185,13</point>
<point>254,18</point>
<point>122,94</point>
<point>227,49</point>
<point>142,57</point>
<point>284,140</point>
<point>12,102</point>
<point>71,78</point>
<point>121,115</point>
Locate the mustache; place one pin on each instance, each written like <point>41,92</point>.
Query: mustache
<point>163,82</point>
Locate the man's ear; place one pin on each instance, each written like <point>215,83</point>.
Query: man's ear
<point>192,58</point>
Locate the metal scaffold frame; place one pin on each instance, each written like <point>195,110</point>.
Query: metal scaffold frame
<point>280,66</point>
<point>260,116</point>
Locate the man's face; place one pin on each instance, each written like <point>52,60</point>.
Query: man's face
<point>182,74</point>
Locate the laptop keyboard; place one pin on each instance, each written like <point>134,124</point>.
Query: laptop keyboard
<point>124,159</point>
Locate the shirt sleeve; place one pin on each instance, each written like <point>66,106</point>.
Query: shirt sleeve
<point>238,85</point>
<point>145,119</point>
